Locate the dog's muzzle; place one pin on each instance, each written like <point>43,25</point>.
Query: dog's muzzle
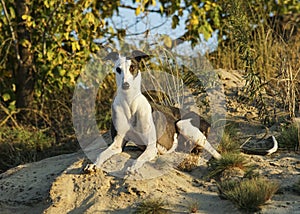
<point>125,86</point>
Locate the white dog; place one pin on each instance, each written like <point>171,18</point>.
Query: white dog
<point>131,112</point>
<point>132,118</point>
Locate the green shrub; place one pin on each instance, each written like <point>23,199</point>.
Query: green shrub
<point>19,146</point>
<point>228,141</point>
<point>228,160</point>
<point>288,138</point>
<point>248,194</point>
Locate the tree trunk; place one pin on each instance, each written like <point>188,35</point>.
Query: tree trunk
<point>24,74</point>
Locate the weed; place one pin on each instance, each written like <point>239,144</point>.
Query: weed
<point>288,138</point>
<point>228,161</point>
<point>193,207</point>
<point>228,141</point>
<point>189,163</point>
<point>154,206</point>
<point>248,194</point>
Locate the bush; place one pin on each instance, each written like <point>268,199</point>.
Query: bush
<point>228,141</point>
<point>24,145</point>
<point>288,138</point>
<point>228,161</point>
<point>250,194</point>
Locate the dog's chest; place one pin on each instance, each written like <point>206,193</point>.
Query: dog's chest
<point>127,109</point>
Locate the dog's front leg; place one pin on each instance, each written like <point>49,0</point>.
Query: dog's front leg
<point>114,148</point>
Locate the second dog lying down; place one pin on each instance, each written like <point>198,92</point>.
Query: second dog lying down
<point>133,120</point>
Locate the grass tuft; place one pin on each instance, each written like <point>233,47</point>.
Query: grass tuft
<point>228,161</point>
<point>148,206</point>
<point>250,194</point>
<point>193,207</point>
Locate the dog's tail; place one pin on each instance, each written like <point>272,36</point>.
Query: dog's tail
<point>162,150</point>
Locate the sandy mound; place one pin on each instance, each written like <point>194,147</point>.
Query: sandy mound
<point>58,185</point>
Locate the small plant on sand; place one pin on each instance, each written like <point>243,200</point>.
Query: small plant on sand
<point>250,194</point>
<point>296,187</point>
<point>151,206</point>
<point>228,161</point>
<point>289,138</point>
<point>193,207</point>
<point>189,163</point>
<point>228,141</point>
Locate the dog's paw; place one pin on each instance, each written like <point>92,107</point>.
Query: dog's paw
<point>90,168</point>
<point>135,167</point>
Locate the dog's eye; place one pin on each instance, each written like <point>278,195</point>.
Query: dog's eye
<point>118,69</point>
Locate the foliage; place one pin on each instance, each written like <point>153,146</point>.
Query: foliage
<point>229,160</point>
<point>267,48</point>
<point>155,205</point>
<point>24,144</point>
<point>19,146</point>
<point>248,194</point>
<point>228,142</point>
<point>288,139</point>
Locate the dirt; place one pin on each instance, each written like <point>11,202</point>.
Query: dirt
<point>59,184</point>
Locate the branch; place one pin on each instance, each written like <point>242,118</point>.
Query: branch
<point>134,8</point>
<point>148,30</point>
<point>13,35</point>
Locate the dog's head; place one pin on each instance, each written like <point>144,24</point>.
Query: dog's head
<point>126,68</point>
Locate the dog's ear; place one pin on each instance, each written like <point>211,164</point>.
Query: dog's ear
<point>112,56</point>
<point>139,55</point>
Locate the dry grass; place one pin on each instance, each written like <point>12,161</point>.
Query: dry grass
<point>151,206</point>
<point>189,163</point>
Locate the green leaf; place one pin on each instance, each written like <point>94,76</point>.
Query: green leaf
<point>12,105</point>
<point>12,13</point>
<point>6,97</point>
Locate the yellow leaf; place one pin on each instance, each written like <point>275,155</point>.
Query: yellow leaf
<point>25,17</point>
<point>194,20</point>
<point>66,35</point>
<point>46,3</point>
<point>168,41</point>
<point>161,8</point>
<point>138,11</point>
<point>62,72</point>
